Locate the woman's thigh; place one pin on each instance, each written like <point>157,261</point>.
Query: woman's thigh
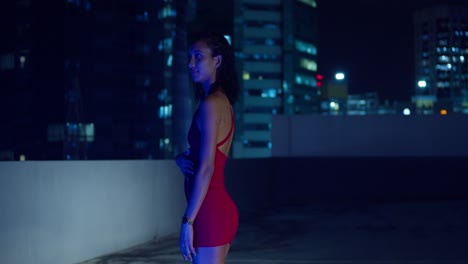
<point>211,255</point>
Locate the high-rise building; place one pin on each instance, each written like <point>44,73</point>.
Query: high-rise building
<point>31,79</point>
<point>140,103</point>
<point>111,80</point>
<point>441,53</point>
<point>95,81</point>
<point>276,47</point>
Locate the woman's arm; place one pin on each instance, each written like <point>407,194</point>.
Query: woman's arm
<point>208,122</point>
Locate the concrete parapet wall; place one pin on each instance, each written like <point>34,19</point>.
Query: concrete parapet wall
<point>57,212</point>
<point>70,211</point>
<point>370,136</point>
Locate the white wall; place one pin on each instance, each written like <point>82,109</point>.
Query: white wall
<point>69,211</point>
<point>371,135</point>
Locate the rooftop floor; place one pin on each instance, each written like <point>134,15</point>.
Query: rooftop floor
<point>334,233</point>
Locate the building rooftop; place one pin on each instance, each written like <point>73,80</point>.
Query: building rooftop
<point>340,232</point>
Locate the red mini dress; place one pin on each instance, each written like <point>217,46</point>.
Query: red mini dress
<point>218,218</point>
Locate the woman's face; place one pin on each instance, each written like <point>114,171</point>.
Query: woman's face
<point>202,64</point>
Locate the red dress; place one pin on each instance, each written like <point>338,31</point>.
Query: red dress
<point>218,218</point>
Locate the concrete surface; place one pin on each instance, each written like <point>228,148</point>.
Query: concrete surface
<point>416,232</point>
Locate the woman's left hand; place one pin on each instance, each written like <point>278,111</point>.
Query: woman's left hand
<point>186,242</point>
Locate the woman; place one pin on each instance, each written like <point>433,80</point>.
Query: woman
<point>211,218</point>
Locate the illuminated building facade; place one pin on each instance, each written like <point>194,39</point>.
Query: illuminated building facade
<point>441,53</point>
<point>276,47</point>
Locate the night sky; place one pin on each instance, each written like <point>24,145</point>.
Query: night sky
<point>372,43</point>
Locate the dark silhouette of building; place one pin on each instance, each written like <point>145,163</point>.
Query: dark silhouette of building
<point>31,80</point>
<point>93,79</point>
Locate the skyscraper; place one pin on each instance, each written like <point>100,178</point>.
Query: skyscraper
<point>276,47</point>
<point>111,73</point>
<point>31,78</point>
<point>441,51</point>
<point>94,81</point>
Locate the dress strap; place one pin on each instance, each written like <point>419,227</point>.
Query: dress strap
<point>230,131</point>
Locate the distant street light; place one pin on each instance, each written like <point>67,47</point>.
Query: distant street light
<point>406,111</point>
<point>339,76</point>
<point>422,84</point>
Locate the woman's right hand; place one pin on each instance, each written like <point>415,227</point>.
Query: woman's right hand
<point>184,163</point>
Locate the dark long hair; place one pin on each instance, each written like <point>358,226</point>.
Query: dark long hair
<point>226,75</point>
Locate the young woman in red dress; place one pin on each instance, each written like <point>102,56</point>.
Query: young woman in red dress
<point>210,222</point>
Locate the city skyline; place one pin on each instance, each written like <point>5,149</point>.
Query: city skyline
<point>65,92</point>
<point>372,43</point>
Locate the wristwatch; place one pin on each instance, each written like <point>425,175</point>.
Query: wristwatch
<point>185,220</point>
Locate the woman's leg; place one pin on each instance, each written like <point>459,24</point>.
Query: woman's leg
<point>228,246</point>
<point>211,255</point>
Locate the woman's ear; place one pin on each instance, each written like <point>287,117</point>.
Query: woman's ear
<point>219,60</point>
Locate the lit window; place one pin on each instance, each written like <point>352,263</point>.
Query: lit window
<point>443,67</point>
<point>22,61</point>
<point>165,44</point>
<point>308,64</point>
<point>166,12</point>
<point>165,111</point>
<point>306,47</point>
<point>443,42</point>
<point>444,58</point>
<point>270,93</point>
<point>89,132</point>
<point>311,3</point>
<point>168,43</point>
<point>443,84</point>
<point>306,80</point>
<point>246,76</point>
<point>74,131</point>
<point>169,61</point>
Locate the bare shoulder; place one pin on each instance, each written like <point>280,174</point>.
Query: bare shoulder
<point>214,101</point>
<point>209,108</point>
